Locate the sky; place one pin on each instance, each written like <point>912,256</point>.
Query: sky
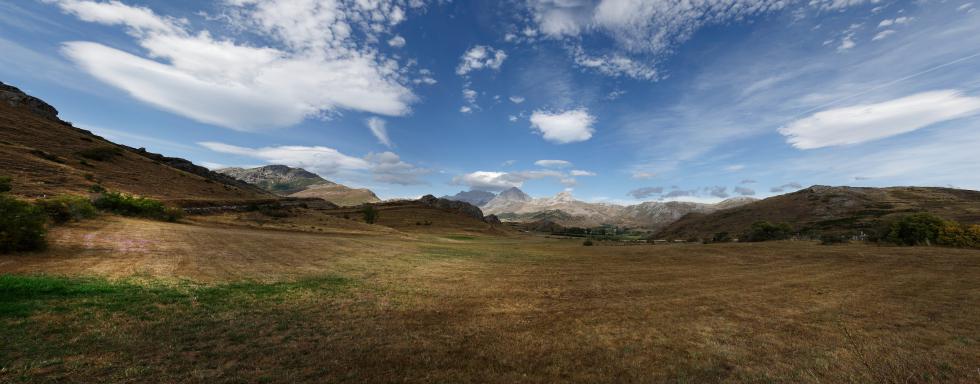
<point>617,101</point>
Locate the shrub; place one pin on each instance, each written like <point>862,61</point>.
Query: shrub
<point>97,188</point>
<point>129,205</point>
<point>21,226</point>
<point>100,153</point>
<point>954,234</point>
<point>5,184</point>
<point>587,242</point>
<point>765,231</point>
<point>370,214</point>
<point>721,237</point>
<point>917,229</point>
<point>65,208</point>
<point>831,239</point>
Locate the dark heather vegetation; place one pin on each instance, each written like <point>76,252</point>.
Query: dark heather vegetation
<point>64,208</point>
<point>4,184</point>
<point>136,206</point>
<point>21,225</point>
<point>766,231</point>
<point>104,153</point>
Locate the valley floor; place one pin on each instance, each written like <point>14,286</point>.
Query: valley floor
<point>120,300</point>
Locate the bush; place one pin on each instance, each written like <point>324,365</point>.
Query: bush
<point>587,242</point>
<point>100,153</point>
<point>954,234</point>
<point>721,237</point>
<point>831,239</point>
<point>5,184</point>
<point>917,229</point>
<point>21,226</point>
<point>65,208</point>
<point>129,205</point>
<point>765,231</point>
<point>370,214</point>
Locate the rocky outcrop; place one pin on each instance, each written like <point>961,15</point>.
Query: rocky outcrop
<point>493,220</point>
<point>17,98</point>
<point>278,179</point>
<point>189,167</point>
<point>460,207</point>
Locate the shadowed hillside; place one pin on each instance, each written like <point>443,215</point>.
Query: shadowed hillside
<point>297,182</point>
<point>45,155</point>
<point>832,209</point>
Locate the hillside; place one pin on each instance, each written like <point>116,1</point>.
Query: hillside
<point>45,155</point>
<point>832,209</point>
<point>297,182</point>
<point>475,197</point>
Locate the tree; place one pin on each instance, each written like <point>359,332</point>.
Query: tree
<point>765,231</point>
<point>370,214</point>
<point>917,229</point>
<point>4,184</point>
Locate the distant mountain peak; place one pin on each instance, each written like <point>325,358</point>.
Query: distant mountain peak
<point>475,197</point>
<point>514,194</point>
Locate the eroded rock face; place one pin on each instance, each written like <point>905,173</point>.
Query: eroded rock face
<point>17,98</point>
<point>453,206</point>
<point>492,220</point>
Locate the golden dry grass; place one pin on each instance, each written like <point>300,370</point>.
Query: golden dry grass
<point>479,308</point>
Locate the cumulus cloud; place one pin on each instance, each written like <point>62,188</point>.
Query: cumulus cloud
<point>895,21</point>
<point>498,181</point>
<point>384,167</point>
<point>564,127</point>
<point>645,192</point>
<point>480,57</point>
<point>743,191</point>
<point>397,41</point>
<point>379,130</point>
<point>553,163</point>
<point>317,69</point>
<point>516,99</point>
<point>862,123</point>
<point>786,187</point>
<point>579,172</point>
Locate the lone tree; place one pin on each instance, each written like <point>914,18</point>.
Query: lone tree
<point>370,214</point>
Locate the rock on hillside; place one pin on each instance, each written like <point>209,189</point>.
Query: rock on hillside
<point>477,198</point>
<point>14,97</point>
<point>460,207</point>
<point>820,209</point>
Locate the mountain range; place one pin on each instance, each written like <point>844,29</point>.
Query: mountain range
<point>514,205</point>
<point>297,182</point>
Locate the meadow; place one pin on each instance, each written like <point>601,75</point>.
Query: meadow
<point>126,300</point>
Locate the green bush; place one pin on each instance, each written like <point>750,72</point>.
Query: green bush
<point>65,208</point>
<point>5,184</point>
<point>916,229</point>
<point>21,226</point>
<point>953,234</point>
<point>721,237</point>
<point>587,242</point>
<point>129,205</point>
<point>100,153</point>
<point>370,214</point>
<point>765,231</point>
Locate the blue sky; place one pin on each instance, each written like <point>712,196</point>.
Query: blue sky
<point>615,100</point>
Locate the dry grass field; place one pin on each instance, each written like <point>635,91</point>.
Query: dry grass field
<point>208,301</point>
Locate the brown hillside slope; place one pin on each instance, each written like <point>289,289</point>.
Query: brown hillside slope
<point>339,194</point>
<point>832,209</point>
<point>44,156</point>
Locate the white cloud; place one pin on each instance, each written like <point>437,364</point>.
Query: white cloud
<point>387,167</point>
<point>512,118</point>
<point>895,21</point>
<point>553,163</point>
<point>516,99</point>
<point>579,172</point>
<point>318,69</point>
<point>883,34</point>
<point>319,159</point>
<point>735,167</point>
<point>465,109</point>
<point>616,65</point>
<point>642,175</point>
<point>847,42</point>
<point>469,95</point>
<point>861,123</point>
<point>564,127</point>
<point>384,167</point>
<point>480,57</point>
<point>379,130</point>
<point>396,41</point>
<point>497,181</point>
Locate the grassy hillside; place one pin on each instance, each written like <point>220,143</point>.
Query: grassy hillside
<point>45,156</point>
<point>822,209</point>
